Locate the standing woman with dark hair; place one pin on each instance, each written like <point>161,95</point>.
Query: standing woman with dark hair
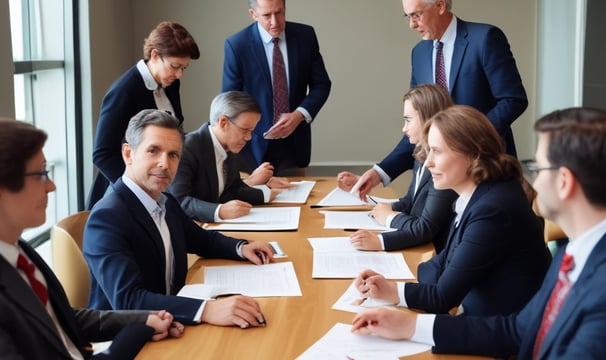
<point>495,256</point>
<point>153,83</point>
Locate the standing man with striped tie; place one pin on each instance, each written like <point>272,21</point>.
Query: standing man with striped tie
<point>280,65</point>
<point>566,318</point>
<point>472,60</point>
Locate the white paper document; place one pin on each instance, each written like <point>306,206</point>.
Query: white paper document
<point>352,301</point>
<point>336,244</point>
<point>202,291</point>
<point>339,197</point>
<point>352,220</point>
<point>262,219</point>
<point>297,194</point>
<point>277,279</point>
<point>347,264</point>
<point>340,343</point>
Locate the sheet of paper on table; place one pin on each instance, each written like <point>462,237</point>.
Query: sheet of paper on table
<point>262,219</point>
<point>277,279</point>
<point>297,194</point>
<point>348,264</point>
<point>352,301</point>
<point>340,343</point>
<point>352,220</point>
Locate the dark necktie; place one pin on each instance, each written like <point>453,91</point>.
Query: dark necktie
<point>29,269</point>
<point>558,295</point>
<point>279,82</point>
<point>440,68</point>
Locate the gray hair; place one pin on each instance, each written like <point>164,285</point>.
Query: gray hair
<point>232,104</point>
<point>448,3</point>
<point>145,118</point>
<point>253,4</point>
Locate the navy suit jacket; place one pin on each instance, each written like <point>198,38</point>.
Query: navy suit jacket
<point>125,254</point>
<point>196,183</point>
<point>494,260</point>
<point>125,98</point>
<point>28,332</point>
<point>483,75</point>
<point>425,216</point>
<point>245,68</point>
<point>578,332</point>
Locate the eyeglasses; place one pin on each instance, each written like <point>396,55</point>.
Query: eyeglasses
<point>174,66</point>
<point>43,175</point>
<point>534,169</point>
<point>244,131</point>
<point>414,16</point>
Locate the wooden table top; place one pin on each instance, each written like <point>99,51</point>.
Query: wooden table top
<point>293,323</point>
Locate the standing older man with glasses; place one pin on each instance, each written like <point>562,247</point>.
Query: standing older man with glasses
<point>207,183</point>
<point>472,61</point>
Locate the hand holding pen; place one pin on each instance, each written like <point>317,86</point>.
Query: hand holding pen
<point>258,252</point>
<point>372,284</point>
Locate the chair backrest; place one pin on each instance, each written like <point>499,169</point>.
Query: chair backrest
<point>68,262</point>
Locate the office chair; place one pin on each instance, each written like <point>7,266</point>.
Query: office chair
<point>68,262</point>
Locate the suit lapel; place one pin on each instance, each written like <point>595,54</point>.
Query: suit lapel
<point>22,296</point>
<point>580,290</point>
<point>142,216</point>
<point>457,55</point>
<point>209,157</point>
<point>257,49</point>
<point>292,49</point>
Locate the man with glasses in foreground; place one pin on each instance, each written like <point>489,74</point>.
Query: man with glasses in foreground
<point>477,68</point>
<point>208,183</point>
<point>566,318</point>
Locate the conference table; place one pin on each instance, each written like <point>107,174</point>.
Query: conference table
<point>293,323</point>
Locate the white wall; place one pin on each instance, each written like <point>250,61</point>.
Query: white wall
<point>366,47</point>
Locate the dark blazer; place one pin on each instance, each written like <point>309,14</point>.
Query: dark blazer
<point>483,75</point>
<point>245,68</point>
<point>425,216</point>
<point>494,260</point>
<point>196,183</point>
<point>124,99</point>
<point>125,254</point>
<point>578,332</point>
<point>28,332</point>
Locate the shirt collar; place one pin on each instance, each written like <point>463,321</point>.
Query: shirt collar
<point>148,78</point>
<point>148,202</point>
<point>220,153</point>
<point>266,37</point>
<point>10,252</point>
<point>448,38</point>
<point>581,248</point>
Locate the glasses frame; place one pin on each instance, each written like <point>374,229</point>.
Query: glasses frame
<point>173,66</point>
<point>414,16</point>
<point>534,169</point>
<point>244,131</point>
<point>43,175</point>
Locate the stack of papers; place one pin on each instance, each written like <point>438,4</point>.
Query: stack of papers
<point>340,343</point>
<point>262,219</point>
<point>297,194</point>
<point>332,258</point>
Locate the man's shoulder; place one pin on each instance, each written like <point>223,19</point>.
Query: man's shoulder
<point>474,28</point>
<point>243,34</point>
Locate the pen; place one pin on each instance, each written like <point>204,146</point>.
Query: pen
<point>374,201</point>
<point>261,256</point>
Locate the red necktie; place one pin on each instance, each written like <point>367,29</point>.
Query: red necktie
<point>558,295</point>
<point>440,68</point>
<point>28,268</point>
<point>279,82</point>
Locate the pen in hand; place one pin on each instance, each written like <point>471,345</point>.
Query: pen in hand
<point>262,256</point>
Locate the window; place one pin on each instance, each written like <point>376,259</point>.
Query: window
<point>44,76</point>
